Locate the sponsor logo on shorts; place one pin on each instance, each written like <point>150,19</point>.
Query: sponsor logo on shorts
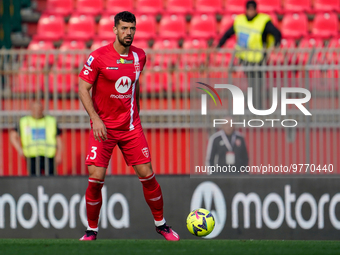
<point>123,84</point>
<point>120,96</point>
<point>89,61</point>
<point>145,151</point>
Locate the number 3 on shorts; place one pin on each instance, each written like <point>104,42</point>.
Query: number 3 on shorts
<point>94,148</point>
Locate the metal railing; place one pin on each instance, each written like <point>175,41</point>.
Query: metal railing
<point>165,102</point>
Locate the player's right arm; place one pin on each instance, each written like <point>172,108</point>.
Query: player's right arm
<point>98,127</point>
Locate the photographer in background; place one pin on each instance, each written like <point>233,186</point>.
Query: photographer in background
<point>227,147</point>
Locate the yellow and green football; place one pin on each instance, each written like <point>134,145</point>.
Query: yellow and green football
<point>200,222</point>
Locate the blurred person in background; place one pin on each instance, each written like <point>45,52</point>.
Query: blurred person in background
<point>227,147</point>
<point>37,137</point>
<point>254,32</point>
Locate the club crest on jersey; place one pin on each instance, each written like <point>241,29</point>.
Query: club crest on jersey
<point>145,151</point>
<point>137,67</point>
<point>89,61</point>
<point>124,61</point>
<point>123,84</point>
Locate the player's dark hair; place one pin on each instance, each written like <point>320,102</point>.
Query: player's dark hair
<point>124,16</point>
<point>251,3</point>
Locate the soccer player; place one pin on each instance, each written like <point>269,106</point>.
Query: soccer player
<point>112,72</point>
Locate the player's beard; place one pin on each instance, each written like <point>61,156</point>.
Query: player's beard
<point>121,41</point>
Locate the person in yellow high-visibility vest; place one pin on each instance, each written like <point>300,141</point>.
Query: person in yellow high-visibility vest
<point>254,32</point>
<point>37,137</point>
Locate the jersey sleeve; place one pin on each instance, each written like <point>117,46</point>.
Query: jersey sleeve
<point>90,71</point>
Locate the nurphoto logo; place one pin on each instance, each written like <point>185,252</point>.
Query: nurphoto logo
<point>238,104</point>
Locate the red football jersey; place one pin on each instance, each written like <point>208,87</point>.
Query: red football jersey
<point>114,78</point>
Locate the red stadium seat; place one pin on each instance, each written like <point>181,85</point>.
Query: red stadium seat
<point>267,6</point>
<point>332,54</point>
<point>235,6</point>
<point>203,26</point>
<point>209,6</point>
<point>287,44</point>
<point>226,23</point>
<point>274,19</point>
<point>27,81</point>
<point>72,45</point>
<point>68,60</point>
<point>327,5</point>
<point>59,7</point>
<point>149,6</point>
<point>194,58</point>
<point>310,43</point>
<point>180,6</point>
<point>154,82</point>
<point>168,58</point>
<point>81,27</point>
<point>39,60</point>
<point>294,25</point>
<point>223,59</point>
<point>325,25</point>
<point>40,45</point>
<point>334,43</point>
<point>165,44</point>
<point>97,44</point>
<point>146,27</point>
<point>282,56</point>
<point>91,7</point>
<point>172,27</point>
<point>297,6</point>
<point>181,80</point>
<point>142,44</point>
<point>50,27</point>
<point>195,44</point>
<point>105,27</point>
<point>60,82</point>
<point>306,44</point>
<point>116,6</point>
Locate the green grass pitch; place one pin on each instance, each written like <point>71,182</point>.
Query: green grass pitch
<point>197,247</point>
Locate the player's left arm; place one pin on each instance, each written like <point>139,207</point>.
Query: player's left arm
<point>137,96</point>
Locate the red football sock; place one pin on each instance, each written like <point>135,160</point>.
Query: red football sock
<point>153,196</point>
<point>93,198</point>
